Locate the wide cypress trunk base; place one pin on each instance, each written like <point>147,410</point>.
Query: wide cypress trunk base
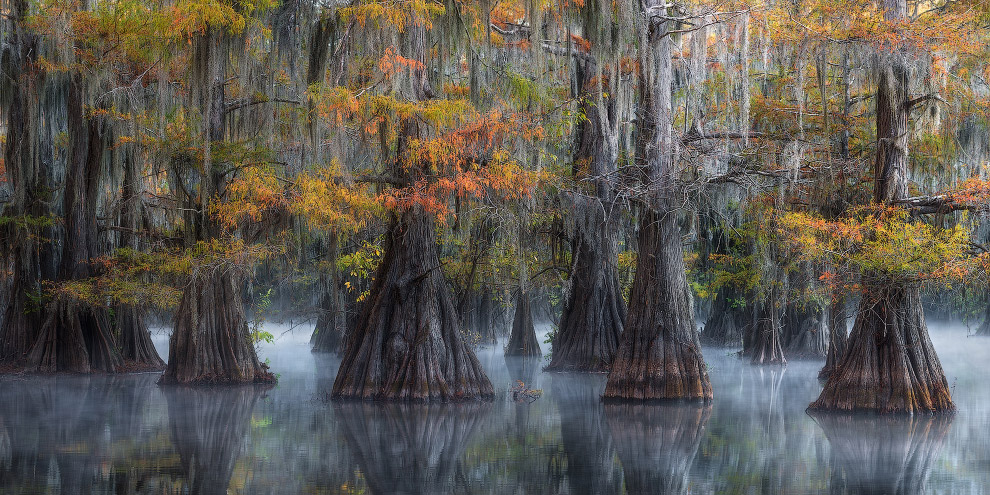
<point>136,347</point>
<point>724,327</point>
<point>407,344</point>
<point>890,365</point>
<point>657,444</point>
<point>659,357</point>
<point>75,338</point>
<point>884,454</point>
<point>210,342</point>
<point>522,340</point>
<point>594,311</point>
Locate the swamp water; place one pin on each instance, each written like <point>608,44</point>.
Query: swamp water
<point>124,434</point>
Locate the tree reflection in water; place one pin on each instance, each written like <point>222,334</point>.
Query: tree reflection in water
<point>586,438</point>
<point>410,448</point>
<point>657,443</point>
<point>884,454</point>
<point>208,426</point>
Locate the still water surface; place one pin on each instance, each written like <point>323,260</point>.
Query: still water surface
<point>125,435</point>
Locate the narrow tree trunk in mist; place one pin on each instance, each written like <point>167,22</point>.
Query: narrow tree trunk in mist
<point>659,356</point>
<point>804,328</point>
<point>594,311</point>
<point>725,324</point>
<point>657,444</point>
<point>407,344</point>
<point>838,335</point>
<point>762,344</point>
<point>984,329</point>
<point>890,364</point>
<point>331,321</point>
<point>522,340</point>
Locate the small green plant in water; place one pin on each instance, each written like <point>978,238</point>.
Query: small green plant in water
<point>258,333</point>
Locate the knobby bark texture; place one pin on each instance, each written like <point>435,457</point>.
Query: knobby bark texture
<point>885,454</point>
<point>211,341</point>
<point>890,364</point>
<point>657,444</point>
<point>659,356</point>
<point>522,340</point>
<point>208,427</point>
<point>411,448</point>
<point>407,344</point>
<point>586,437</point>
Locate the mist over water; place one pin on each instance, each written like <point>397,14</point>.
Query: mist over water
<point>124,434</point>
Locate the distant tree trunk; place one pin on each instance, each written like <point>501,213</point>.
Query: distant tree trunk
<point>331,321</point>
<point>585,435</point>
<point>763,344</point>
<point>211,342</point>
<point>885,454</point>
<point>984,329</point>
<point>838,335</point>
<point>657,444</point>
<point>806,331</point>
<point>410,448</point>
<point>890,364</point>
<point>407,344</point>
<point>659,356</point>
<point>134,339</point>
<point>208,429</point>
<point>594,311</point>
<point>522,340</point>
<point>725,324</point>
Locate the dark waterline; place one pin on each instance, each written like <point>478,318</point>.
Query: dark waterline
<point>125,435</point>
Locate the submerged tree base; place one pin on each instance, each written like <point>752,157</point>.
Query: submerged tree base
<point>407,345</point>
<point>522,340</point>
<point>889,365</point>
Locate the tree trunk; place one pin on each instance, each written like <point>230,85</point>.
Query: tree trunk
<point>407,344</point>
<point>211,342</point>
<point>984,328</point>
<point>410,448</point>
<point>657,444</point>
<point>659,356</point>
<point>890,364</point>
<point>208,428</point>
<point>805,331</point>
<point>522,340</point>
<point>594,311</point>
<point>763,344</point>
<point>838,336</point>
<point>136,347</point>
<point>885,454</point>
<point>725,325</point>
